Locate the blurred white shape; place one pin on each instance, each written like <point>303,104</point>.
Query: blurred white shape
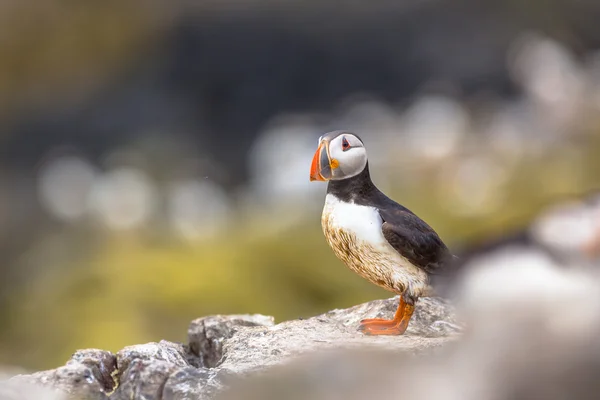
<point>280,162</point>
<point>474,187</point>
<point>197,209</point>
<point>123,198</point>
<point>64,186</point>
<point>567,226</point>
<point>549,74</point>
<point>502,275</point>
<point>516,280</point>
<point>434,126</point>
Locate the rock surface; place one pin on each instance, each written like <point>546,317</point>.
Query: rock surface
<point>261,346</point>
<point>225,348</point>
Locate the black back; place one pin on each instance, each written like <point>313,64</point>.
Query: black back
<point>405,232</point>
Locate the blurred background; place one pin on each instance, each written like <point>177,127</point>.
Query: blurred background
<point>154,155</point>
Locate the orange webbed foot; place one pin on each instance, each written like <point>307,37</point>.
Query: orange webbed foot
<point>396,326</point>
<point>378,321</point>
<point>390,328</point>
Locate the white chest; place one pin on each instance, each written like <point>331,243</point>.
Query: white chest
<point>363,222</point>
<point>354,233</point>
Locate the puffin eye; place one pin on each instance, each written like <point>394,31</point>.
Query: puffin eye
<point>345,144</point>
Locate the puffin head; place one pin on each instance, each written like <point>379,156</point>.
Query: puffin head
<point>340,155</point>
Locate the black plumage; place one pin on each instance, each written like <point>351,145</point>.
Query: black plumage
<point>408,234</point>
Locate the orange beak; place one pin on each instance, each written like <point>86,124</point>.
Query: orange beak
<point>315,167</point>
<point>321,167</point>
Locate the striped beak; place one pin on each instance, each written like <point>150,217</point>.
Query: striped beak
<point>321,168</point>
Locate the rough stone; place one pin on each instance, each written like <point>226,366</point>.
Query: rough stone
<point>433,316</point>
<point>254,348</point>
<point>143,379</point>
<point>193,384</point>
<point>24,390</point>
<point>143,370</point>
<point>523,342</point>
<point>206,335</point>
<point>87,375</point>
<point>74,379</point>
<point>330,374</point>
<point>223,349</point>
<point>102,364</point>
<point>169,352</point>
<point>519,362</point>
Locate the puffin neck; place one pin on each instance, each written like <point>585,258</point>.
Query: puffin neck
<point>353,189</point>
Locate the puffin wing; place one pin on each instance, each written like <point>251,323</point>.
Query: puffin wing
<point>413,239</point>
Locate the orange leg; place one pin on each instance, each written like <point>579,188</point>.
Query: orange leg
<point>396,326</point>
<point>385,323</point>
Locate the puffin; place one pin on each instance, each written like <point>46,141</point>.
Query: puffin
<point>374,236</point>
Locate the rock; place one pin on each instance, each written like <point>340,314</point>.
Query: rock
<point>469,370</point>
<point>143,379</point>
<point>102,364</point>
<point>174,354</point>
<point>331,374</point>
<point>206,335</point>
<point>254,348</point>
<point>521,346</point>
<point>22,390</point>
<point>143,370</point>
<point>73,379</point>
<point>193,384</point>
<point>87,375</point>
<point>433,317</point>
<point>223,349</point>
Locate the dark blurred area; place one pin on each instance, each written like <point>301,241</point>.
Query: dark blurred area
<point>154,155</point>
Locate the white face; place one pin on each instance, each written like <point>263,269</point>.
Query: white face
<point>350,154</point>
